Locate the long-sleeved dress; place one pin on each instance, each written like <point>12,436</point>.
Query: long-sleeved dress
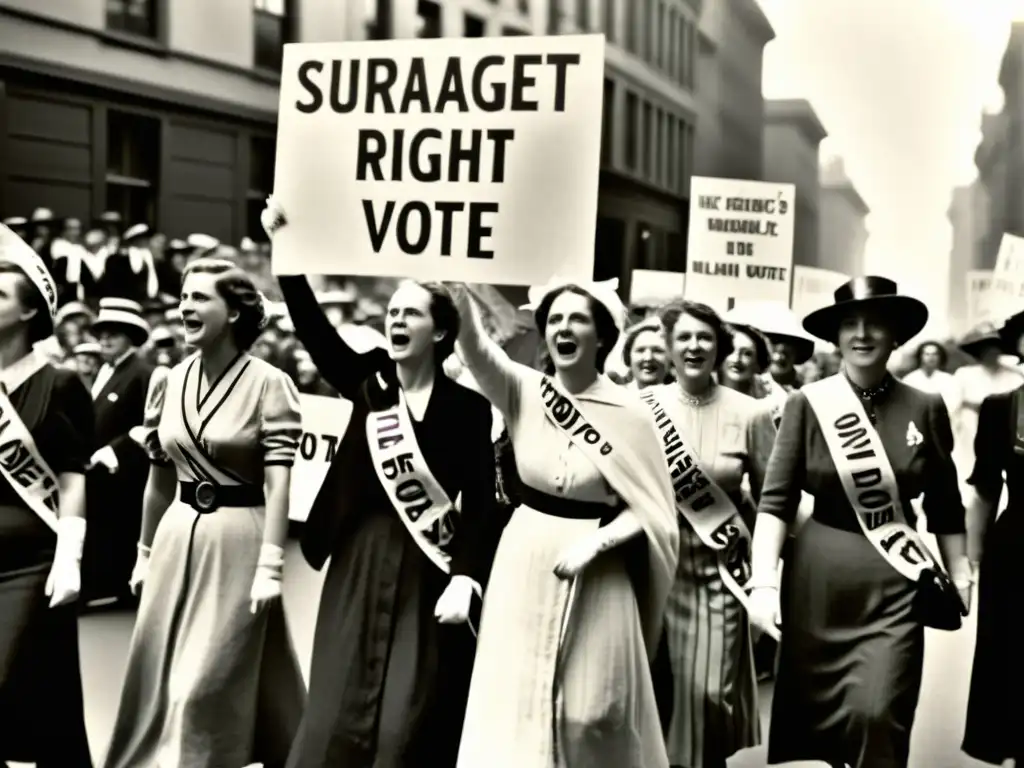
<point>995,713</point>
<point>41,711</point>
<point>208,684</point>
<point>852,649</point>
<point>388,684</point>
<point>584,697</point>
<point>715,711</point>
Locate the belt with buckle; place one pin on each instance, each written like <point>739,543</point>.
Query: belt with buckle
<point>205,497</point>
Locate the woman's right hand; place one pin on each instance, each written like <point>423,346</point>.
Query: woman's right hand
<point>272,217</point>
<point>764,609</point>
<point>141,569</point>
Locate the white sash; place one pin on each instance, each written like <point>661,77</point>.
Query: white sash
<point>867,475</point>
<point>705,506</point>
<point>21,464</point>
<point>420,501</point>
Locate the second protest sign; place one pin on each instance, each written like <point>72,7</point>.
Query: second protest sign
<point>462,159</point>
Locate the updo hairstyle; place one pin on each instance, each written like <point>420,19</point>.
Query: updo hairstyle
<point>236,287</point>
<point>674,310</point>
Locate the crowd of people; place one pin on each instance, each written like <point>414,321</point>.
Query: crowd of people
<point>526,565</point>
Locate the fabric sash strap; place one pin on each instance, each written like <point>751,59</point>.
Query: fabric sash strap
<point>867,476</point>
<point>703,504</point>
<point>418,498</point>
<point>21,464</point>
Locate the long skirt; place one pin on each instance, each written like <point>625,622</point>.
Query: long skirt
<point>42,718</point>
<point>591,704</point>
<point>208,684</point>
<point>995,711</point>
<point>387,683</point>
<point>851,655</point>
<point>715,712</point>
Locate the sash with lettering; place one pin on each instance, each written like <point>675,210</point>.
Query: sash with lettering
<point>414,492</point>
<point>635,474</point>
<point>704,505</point>
<point>21,464</point>
<point>867,476</point>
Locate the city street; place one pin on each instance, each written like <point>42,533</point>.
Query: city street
<point>937,733</point>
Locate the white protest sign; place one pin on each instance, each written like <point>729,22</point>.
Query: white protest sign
<point>813,288</point>
<point>1007,290</point>
<point>324,421</point>
<point>473,159</point>
<point>652,287</point>
<point>979,297</point>
<point>741,241</point>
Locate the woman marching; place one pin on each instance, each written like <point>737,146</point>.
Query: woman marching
<point>48,424</point>
<point>860,584</point>
<point>392,654</point>
<point>995,719</point>
<point>212,677</point>
<point>577,593</point>
<point>644,353</point>
<point>709,429</point>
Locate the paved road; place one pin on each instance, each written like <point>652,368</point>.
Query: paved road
<point>937,733</point>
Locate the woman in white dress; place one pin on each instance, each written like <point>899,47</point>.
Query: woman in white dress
<point>574,608</point>
<point>644,353</point>
<point>930,374</point>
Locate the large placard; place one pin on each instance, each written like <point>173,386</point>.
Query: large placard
<point>324,421</point>
<point>740,246</point>
<point>474,160</point>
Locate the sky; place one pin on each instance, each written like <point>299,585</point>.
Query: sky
<point>900,86</point>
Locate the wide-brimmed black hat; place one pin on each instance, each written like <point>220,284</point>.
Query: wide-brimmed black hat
<point>977,339</point>
<point>905,315</point>
<point>776,321</point>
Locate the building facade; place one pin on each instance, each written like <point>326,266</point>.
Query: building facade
<point>649,127</point>
<point>731,122</point>
<point>792,136</point>
<point>163,111</point>
<point>966,213</point>
<point>842,222</point>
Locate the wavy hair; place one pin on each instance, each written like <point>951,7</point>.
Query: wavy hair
<point>235,286</point>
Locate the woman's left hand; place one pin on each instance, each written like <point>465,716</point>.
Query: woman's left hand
<point>266,588</point>
<point>577,556</point>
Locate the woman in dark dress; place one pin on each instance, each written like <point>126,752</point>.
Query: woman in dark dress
<point>392,654</point>
<point>995,715</point>
<point>852,645</point>
<point>47,415</point>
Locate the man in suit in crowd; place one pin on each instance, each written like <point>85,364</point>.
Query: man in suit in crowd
<point>119,467</point>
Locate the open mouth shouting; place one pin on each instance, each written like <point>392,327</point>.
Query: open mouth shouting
<point>399,340</point>
<point>192,325</point>
<point>566,347</point>
<point>693,361</point>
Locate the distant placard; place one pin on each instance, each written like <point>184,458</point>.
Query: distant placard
<point>653,287</point>
<point>740,246</point>
<point>979,297</point>
<point>814,288</point>
<point>1006,292</point>
<point>464,159</point>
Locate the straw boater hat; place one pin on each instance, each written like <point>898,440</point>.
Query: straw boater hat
<point>135,232</point>
<point>202,245</point>
<point>125,316</point>
<point>905,315</point>
<point>71,310</point>
<point>88,348</point>
<point>776,321</point>
<point>14,250</point>
<point>982,336</point>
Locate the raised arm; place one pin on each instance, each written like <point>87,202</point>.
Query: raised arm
<point>496,374</point>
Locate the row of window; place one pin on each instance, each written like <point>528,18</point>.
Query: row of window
<point>273,23</point>
<point>657,31</point>
<point>133,170</point>
<point>429,21</point>
<point>657,145</point>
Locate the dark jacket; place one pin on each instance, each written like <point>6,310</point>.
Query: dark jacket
<point>119,406</point>
<point>455,438</point>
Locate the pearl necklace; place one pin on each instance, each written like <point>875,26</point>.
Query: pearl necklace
<point>695,401</point>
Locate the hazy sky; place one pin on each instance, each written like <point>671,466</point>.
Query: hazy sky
<point>900,86</point>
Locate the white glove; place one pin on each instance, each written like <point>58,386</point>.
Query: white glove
<point>765,610</point>
<point>104,457</point>
<point>64,583</point>
<point>272,217</point>
<point>266,584</point>
<point>454,604</point>
<point>141,569</point>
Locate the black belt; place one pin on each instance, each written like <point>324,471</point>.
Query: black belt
<point>205,497</point>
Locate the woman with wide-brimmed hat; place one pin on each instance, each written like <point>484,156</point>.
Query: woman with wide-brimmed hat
<point>574,608</point>
<point>859,585</point>
<point>48,424</point>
